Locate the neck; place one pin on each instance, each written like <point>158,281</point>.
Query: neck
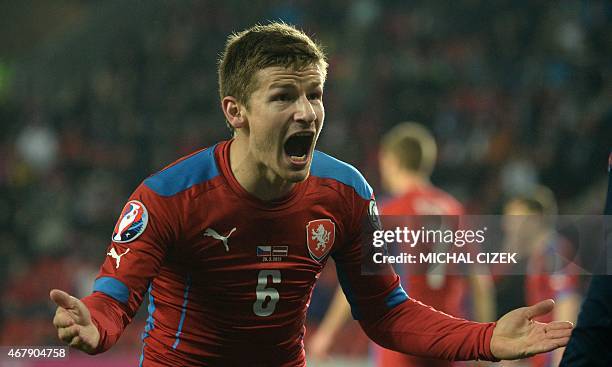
<point>256,178</point>
<point>406,181</point>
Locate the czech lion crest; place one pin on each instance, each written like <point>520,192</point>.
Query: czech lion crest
<point>320,236</point>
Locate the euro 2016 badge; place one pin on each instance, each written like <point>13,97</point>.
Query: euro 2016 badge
<point>131,223</point>
<point>320,235</point>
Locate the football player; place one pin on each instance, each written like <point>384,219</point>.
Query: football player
<point>227,243</point>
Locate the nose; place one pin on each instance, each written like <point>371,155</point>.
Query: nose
<point>305,111</point>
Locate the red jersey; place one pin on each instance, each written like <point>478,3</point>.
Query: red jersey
<point>229,277</point>
<point>443,292</point>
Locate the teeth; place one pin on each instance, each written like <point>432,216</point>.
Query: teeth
<point>302,134</point>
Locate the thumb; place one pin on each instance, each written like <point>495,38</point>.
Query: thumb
<point>63,299</point>
<point>540,308</point>
<point>72,304</point>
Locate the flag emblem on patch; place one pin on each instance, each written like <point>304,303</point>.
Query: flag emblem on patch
<point>132,222</point>
<point>272,250</point>
<point>280,250</point>
<point>269,253</point>
<point>264,250</point>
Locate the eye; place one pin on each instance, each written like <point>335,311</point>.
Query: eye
<point>315,96</point>
<point>281,97</point>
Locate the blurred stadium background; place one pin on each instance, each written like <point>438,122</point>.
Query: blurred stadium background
<point>97,95</point>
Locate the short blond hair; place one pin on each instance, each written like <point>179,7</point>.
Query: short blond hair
<point>413,146</point>
<point>262,46</point>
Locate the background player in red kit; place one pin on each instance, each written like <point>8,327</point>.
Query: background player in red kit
<point>228,242</point>
<point>407,157</point>
<point>529,231</point>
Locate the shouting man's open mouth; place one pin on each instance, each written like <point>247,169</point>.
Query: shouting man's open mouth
<point>298,147</point>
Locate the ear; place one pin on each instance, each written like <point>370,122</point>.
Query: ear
<point>234,112</point>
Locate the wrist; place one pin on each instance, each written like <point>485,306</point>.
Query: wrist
<point>487,352</point>
<point>98,336</point>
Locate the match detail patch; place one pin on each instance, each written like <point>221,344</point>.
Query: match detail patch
<point>374,216</point>
<point>132,222</point>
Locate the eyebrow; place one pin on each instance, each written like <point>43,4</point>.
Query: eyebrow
<point>314,84</point>
<point>281,85</point>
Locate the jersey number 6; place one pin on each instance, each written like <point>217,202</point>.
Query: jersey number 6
<point>267,297</point>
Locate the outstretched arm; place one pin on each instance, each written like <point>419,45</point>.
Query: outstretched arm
<point>395,321</point>
<point>415,328</point>
<point>96,322</point>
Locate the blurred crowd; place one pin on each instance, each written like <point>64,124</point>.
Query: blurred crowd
<point>517,93</point>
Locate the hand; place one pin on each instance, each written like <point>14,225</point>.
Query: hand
<point>73,322</point>
<point>517,335</point>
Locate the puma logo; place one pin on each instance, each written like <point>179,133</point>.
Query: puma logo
<point>117,257</point>
<point>212,233</point>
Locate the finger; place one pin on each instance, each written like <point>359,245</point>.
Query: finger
<point>75,306</point>
<point>549,345</point>
<point>562,342</point>
<point>63,299</point>
<point>76,342</point>
<point>557,343</point>
<point>62,318</point>
<point>67,334</point>
<point>540,308</point>
<point>559,333</point>
<point>559,325</point>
